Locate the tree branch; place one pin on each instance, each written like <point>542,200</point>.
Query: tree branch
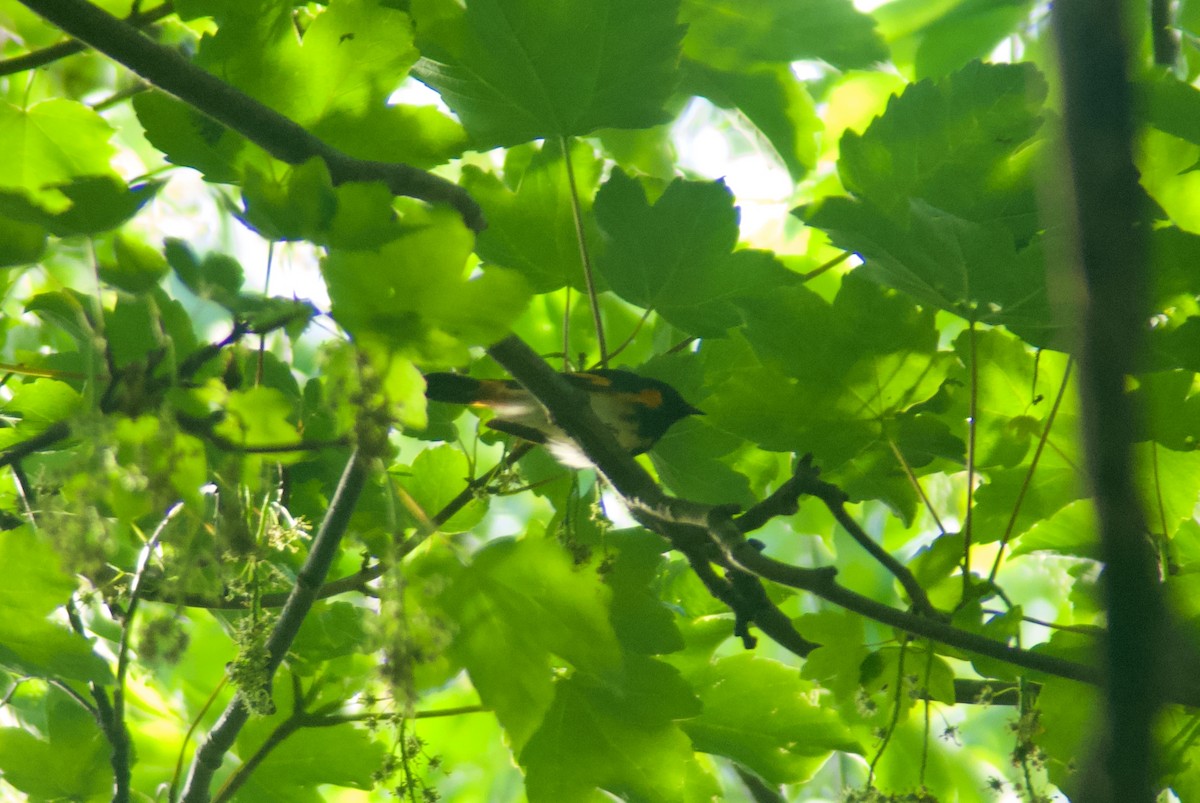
<point>1110,218</point>
<point>281,137</point>
<point>303,595</point>
<point>47,55</point>
<point>665,515</point>
<point>807,480</point>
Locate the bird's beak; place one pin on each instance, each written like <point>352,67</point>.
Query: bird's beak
<point>692,410</point>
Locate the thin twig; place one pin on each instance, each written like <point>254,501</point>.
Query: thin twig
<point>280,136</point>
<point>1033,464</point>
<point>121,748</point>
<point>831,264</point>
<point>47,55</point>
<point>891,728</point>
<point>308,585</point>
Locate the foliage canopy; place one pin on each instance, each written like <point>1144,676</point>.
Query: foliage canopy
<point>223,489</point>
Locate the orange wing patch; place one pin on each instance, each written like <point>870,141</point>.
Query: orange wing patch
<point>650,397</point>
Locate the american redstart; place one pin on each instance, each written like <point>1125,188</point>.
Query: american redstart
<point>638,410</point>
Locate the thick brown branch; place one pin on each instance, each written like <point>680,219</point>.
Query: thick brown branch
<point>281,137</point>
<point>1110,216</point>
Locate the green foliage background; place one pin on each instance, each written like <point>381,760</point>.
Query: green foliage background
<point>169,379</point>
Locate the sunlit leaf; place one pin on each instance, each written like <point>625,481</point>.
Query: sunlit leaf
<point>52,143</point>
<point>517,70</point>
<point>677,256</point>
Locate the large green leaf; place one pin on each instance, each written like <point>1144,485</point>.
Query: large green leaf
<point>531,225</point>
<point>49,144</point>
<point>958,143</point>
<point>734,33</point>
<point>20,243</point>
<point>935,38</point>
<point>436,477</point>
<point>780,731</point>
<point>29,643</point>
<point>622,739</point>
<point>97,203</point>
<point>190,139</point>
<point>517,70</point>
<point>416,293</point>
<point>522,608</point>
<point>974,270</point>
<point>642,622</point>
<point>350,58</point>
<point>677,256</point>
<point>831,379</point>
<point>343,755</point>
<point>70,763</point>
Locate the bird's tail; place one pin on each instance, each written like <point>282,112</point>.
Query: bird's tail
<point>453,388</point>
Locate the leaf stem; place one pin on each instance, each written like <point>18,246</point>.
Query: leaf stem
<point>1033,464</point>
<point>585,258</point>
<point>972,426</point>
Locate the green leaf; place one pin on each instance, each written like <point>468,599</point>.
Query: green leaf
<point>689,460</point>
<point>866,359</point>
<point>1014,389</point>
<point>20,243</point>
<point>733,33</point>
<point>343,755</point>
<point>677,256</point>
<point>937,38</point>
<point>1169,482</point>
<point>138,268</point>
<point>71,763</point>
<point>523,607</point>
<point>779,731</point>
<point>68,310</point>
<point>297,207</point>
<point>1050,490</point>
<point>97,204</point>
<point>970,269</point>
<point>41,585</point>
<point>518,70</point>
<point>257,417</point>
<point>837,663</point>
<point>436,477</point>
<point>351,57</point>
<point>49,144</point>
<point>129,330</point>
<point>415,294</point>
<point>971,31</point>
<point>331,630</point>
<point>420,136</point>
<point>40,403</point>
<point>1069,530</point>
<point>624,740</point>
<point>959,144</point>
<point>190,139</point>
<point>642,621</point>
<point>1171,409</point>
<point>531,229</point>
<point>1173,107</point>
<point>772,99</point>
<point>29,644</point>
<point>218,276</point>
<point>39,648</point>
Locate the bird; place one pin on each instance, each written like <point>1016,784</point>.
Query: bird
<point>636,409</point>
